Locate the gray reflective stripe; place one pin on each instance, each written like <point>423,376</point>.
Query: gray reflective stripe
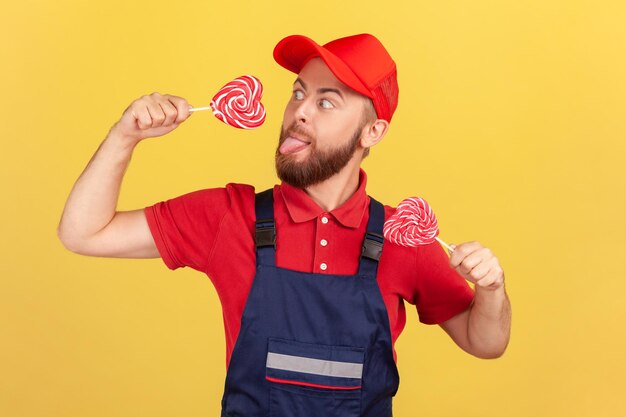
<point>314,366</point>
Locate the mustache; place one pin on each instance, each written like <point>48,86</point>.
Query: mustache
<point>295,130</point>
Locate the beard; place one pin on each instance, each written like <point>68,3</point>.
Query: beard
<point>319,165</point>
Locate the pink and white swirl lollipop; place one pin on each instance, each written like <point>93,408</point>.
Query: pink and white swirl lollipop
<point>238,103</point>
<point>413,223</point>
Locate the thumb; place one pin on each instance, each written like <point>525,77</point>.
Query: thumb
<point>453,246</point>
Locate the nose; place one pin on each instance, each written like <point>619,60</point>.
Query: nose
<point>303,111</point>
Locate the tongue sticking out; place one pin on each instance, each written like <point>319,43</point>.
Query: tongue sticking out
<point>291,145</point>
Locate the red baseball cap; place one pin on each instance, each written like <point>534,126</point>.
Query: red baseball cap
<point>360,61</point>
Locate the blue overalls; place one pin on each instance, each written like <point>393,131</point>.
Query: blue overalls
<point>312,345</point>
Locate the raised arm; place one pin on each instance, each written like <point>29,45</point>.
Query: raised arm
<point>90,224</point>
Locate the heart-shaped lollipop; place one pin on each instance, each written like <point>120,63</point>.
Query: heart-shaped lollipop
<point>413,223</point>
<point>238,103</point>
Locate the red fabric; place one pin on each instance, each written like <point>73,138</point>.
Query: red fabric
<point>308,384</point>
<point>212,231</point>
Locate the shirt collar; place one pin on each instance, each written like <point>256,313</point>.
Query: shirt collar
<point>302,208</point>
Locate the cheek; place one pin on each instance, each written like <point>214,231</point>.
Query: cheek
<point>335,133</point>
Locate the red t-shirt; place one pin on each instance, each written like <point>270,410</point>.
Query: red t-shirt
<point>212,230</point>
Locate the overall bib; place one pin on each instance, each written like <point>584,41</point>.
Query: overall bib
<point>312,345</point>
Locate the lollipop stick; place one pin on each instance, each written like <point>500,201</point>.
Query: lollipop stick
<point>444,244</point>
<point>200,108</point>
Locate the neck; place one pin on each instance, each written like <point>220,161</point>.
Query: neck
<point>336,190</point>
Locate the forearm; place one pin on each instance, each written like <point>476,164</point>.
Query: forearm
<point>92,201</point>
<point>489,323</point>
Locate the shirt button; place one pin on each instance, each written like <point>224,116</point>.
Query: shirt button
<point>324,219</point>
<point>323,266</point>
<point>323,242</point>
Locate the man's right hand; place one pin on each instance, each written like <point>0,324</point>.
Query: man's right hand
<point>152,115</point>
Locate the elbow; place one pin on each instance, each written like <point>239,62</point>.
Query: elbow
<point>494,352</point>
<point>67,244</point>
<point>70,243</point>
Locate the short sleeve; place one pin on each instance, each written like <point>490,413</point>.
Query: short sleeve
<point>185,228</point>
<point>442,291</point>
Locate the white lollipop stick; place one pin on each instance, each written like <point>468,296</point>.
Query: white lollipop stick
<point>200,108</point>
<point>444,244</point>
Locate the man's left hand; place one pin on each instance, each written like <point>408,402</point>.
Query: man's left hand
<point>478,265</point>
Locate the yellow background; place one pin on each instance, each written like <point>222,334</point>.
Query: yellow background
<point>510,124</point>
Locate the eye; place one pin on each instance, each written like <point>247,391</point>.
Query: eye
<point>330,105</point>
<point>297,94</point>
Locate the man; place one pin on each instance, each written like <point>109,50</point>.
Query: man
<point>312,296</point>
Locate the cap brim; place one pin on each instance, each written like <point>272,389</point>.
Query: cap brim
<point>293,52</point>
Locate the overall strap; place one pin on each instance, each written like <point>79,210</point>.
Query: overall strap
<point>265,234</point>
<point>373,241</point>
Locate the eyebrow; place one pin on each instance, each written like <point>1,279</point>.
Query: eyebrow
<point>321,90</point>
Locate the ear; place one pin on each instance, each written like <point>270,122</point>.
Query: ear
<point>374,133</point>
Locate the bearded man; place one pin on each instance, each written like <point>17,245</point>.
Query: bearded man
<point>313,297</point>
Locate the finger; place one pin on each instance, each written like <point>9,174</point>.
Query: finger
<point>464,275</point>
<point>461,251</point>
<point>156,113</point>
<point>182,107</point>
<point>493,278</point>
<point>170,111</point>
<point>474,258</point>
<point>480,271</point>
<point>142,116</point>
